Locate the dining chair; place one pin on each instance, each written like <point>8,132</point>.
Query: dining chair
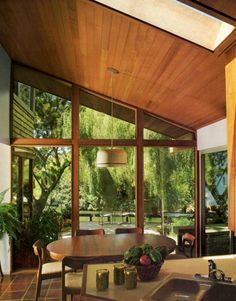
<point>137,230</point>
<point>72,281</point>
<point>90,232</point>
<point>46,269</point>
<point>187,246</point>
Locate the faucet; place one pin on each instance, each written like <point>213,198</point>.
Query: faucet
<point>212,269</point>
<point>214,273</point>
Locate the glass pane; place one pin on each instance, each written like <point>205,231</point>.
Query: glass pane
<point>107,195</point>
<point>156,128</point>
<point>217,235</point>
<point>24,92</point>
<point>96,119</point>
<point>46,211</point>
<point>169,191</point>
<point>14,179</point>
<point>38,114</point>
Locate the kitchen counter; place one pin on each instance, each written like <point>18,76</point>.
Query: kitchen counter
<point>190,266</point>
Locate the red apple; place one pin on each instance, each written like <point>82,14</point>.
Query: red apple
<point>145,260</point>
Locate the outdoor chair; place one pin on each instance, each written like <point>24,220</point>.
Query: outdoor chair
<point>137,230</point>
<point>72,281</point>
<point>90,232</point>
<point>46,269</point>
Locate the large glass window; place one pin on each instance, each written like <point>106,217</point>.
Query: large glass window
<point>41,175</point>
<point>38,114</point>
<point>169,191</point>
<point>42,192</point>
<point>216,236</point>
<point>100,119</point>
<point>107,195</point>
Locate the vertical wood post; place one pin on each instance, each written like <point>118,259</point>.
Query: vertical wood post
<point>202,212</point>
<point>75,160</point>
<point>197,224</point>
<point>230,76</point>
<point>139,171</point>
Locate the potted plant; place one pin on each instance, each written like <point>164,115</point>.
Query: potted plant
<point>9,222</point>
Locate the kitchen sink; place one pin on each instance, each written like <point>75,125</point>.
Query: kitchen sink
<point>220,292</point>
<point>179,287</point>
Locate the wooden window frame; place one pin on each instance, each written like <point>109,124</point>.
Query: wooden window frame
<point>139,143</point>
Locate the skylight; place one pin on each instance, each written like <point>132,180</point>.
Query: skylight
<point>177,18</point>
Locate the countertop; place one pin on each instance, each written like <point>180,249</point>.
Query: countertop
<point>190,266</point>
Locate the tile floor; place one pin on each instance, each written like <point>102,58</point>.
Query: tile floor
<point>21,286</point>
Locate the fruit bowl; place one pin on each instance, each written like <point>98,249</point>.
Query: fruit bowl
<point>149,272</point>
<point>146,259</point>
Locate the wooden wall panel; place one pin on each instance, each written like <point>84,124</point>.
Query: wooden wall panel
<point>23,120</point>
<point>231,138</point>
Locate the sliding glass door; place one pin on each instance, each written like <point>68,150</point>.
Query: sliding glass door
<point>216,237</point>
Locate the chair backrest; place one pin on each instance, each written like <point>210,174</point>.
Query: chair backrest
<point>137,230</point>
<point>77,263</point>
<point>90,232</point>
<point>188,241</point>
<point>40,251</point>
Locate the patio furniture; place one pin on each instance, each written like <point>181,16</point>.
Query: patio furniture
<point>72,281</point>
<point>137,230</point>
<point>107,215</point>
<point>46,270</point>
<point>108,247</point>
<point>87,214</point>
<point>90,232</point>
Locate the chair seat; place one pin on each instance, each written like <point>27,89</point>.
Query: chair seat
<point>52,268</point>
<point>73,280</point>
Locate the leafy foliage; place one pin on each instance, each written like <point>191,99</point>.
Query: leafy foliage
<point>216,170</point>
<point>52,116</point>
<point>156,255</point>
<point>9,222</point>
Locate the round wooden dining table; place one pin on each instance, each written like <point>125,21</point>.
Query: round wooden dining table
<point>109,247</point>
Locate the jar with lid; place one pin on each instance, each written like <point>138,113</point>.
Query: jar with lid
<point>130,277</point>
<point>102,279</point>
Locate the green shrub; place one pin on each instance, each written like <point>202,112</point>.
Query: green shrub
<point>9,222</point>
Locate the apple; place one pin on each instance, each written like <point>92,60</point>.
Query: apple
<point>145,260</point>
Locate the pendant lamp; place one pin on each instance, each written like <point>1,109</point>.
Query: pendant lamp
<point>112,157</point>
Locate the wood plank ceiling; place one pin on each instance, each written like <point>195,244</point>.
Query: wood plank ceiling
<point>77,40</point>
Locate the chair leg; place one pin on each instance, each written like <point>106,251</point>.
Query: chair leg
<point>64,296</point>
<point>1,273</point>
<point>38,287</point>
